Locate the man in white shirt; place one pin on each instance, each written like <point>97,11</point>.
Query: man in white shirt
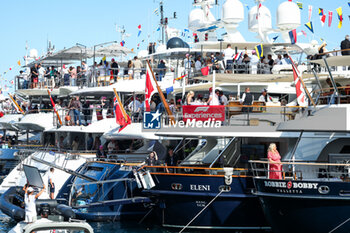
<point>29,202</point>
<point>278,60</point>
<point>51,183</point>
<point>265,97</point>
<point>42,72</point>
<point>213,100</point>
<point>223,98</point>
<point>138,68</point>
<point>286,60</point>
<point>254,60</point>
<point>228,58</point>
<point>111,147</point>
<point>198,64</point>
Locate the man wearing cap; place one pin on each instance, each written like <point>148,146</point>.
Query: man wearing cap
<point>264,97</point>
<point>29,201</point>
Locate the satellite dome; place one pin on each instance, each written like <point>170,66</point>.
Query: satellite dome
<point>175,42</point>
<point>196,19</point>
<point>33,53</point>
<point>232,11</point>
<point>288,16</point>
<point>187,46</point>
<point>264,18</point>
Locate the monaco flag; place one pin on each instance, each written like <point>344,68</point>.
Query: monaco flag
<point>301,98</point>
<point>119,117</point>
<point>150,88</point>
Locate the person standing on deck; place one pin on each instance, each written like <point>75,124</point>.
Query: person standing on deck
<point>247,100</point>
<point>29,202</point>
<point>138,68</point>
<point>51,183</point>
<point>275,166</point>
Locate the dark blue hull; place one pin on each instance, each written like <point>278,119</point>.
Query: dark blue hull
<point>236,208</point>
<point>115,198</point>
<point>313,206</point>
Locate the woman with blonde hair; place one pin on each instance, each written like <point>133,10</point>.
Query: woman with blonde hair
<point>275,166</point>
<point>189,98</point>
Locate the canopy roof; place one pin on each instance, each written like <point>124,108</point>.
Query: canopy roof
<point>74,53</point>
<point>112,50</point>
<point>334,61</point>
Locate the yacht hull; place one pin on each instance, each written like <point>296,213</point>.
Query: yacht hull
<point>305,206</point>
<point>181,198</point>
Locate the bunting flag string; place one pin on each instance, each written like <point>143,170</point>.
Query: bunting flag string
<point>330,17</point>
<point>293,36</point>
<point>340,17</point>
<point>310,12</point>
<point>259,50</point>
<point>300,5</point>
<point>309,26</point>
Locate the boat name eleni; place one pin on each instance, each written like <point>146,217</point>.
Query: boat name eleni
<point>290,184</point>
<point>198,187</point>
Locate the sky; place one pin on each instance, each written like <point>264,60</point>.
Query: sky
<point>88,22</point>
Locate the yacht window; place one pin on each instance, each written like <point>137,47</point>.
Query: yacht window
<point>309,149</point>
<point>345,150</point>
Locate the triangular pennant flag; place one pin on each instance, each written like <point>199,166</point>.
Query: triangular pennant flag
<point>309,26</point>
<point>259,50</point>
<point>19,62</point>
<point>293,36</point>
<point>300,5</point>
<point>275,38</point>
<point>139,33</point>
<point>139,27</point>
<point>349,4</point>
<point>330,17</point>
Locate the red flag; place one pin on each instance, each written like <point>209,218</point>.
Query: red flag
<point>330,17</point>
<point>149,91</point>
<point>139,27</point>
<point>52,102</point>
<point>205,71</point>
<point>300,93</point>
<point>323,19</point>
<point>119,117</point>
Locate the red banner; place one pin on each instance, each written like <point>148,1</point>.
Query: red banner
<point>204,112</point>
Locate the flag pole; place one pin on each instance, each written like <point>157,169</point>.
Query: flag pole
<point>166,106</point>
<point>15,102</point>
<point>302,82</point>
<point>54,107</point>
<point>120,104</point>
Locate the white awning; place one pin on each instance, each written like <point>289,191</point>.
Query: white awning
<point>112,50</point>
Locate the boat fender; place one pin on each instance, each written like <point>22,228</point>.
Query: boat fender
<point>228,175</point>
<point>66,211</point>
<point>137,179</point>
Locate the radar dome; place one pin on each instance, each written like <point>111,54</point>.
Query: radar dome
<point>196,19</point>
<point>142,53</point>
<point>232,11</point>
<point>33,53</point>
<point>264,18</point>
<point>161,48</point>
<point>288,16</point>
<point>175,42</point>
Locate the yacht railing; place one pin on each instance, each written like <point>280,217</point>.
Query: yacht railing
<point>302,170</point>
<point>189,170</point>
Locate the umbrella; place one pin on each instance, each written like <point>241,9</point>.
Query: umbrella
<point>74,53</point>
<point>112,50</point>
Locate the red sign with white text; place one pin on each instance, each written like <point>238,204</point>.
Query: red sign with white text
<point>204,112</point>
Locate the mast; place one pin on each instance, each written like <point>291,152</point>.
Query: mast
<point>162,20</point>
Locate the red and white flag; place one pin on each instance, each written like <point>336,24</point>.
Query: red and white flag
<point>330,17</point>
<point>52,102</point>
<point>150,88</point>
<point>121,120</point>
<point>301,98</point>
<point>310,12</point>
<point>323,19</point>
